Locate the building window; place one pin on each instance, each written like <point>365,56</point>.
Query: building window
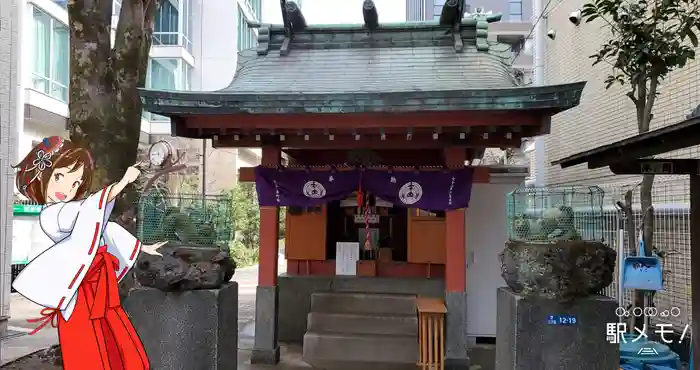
<point>515,10</point>
<point>256,6</point>
<point>437,8</point>
<point>63,3</point>
<point>246,36</point>
<point>116,7</point>
<point>186,6</point>
<point>51,49</point>
<point>167,74</point>
<point>173,24</point>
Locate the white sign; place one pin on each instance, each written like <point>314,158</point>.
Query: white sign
<point>346,257</point>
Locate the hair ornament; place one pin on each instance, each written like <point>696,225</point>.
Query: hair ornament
<point>43,161</point>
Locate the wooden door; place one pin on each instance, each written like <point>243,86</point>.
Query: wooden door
<point>306,236</point>
<point>426,237</point>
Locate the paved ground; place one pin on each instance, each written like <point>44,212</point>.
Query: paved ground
<point>19,344</point>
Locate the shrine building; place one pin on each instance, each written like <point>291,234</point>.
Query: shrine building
<point>369,134</point>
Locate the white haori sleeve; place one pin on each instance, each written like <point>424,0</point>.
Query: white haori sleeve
<point>122,245</point>
<point>52,279</point>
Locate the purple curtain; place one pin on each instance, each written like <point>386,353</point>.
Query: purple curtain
<point>279,187</point>
<point>429,190</point>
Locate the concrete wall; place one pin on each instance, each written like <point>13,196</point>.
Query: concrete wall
<point>295,295</point>
<point>10,23</point>
<point>604,116</point>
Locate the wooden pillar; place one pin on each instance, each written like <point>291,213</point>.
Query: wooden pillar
<point>455,240</point>
<point>695,265</point>
<point>455,277</point>
<point>269,228</point>
<point>266,349</point>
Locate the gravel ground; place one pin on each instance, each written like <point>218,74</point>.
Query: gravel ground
<point>41,360</point>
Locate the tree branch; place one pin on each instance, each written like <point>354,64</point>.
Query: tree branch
<point>649,105</point>
<point>133,42</point>
<point>642,126</point>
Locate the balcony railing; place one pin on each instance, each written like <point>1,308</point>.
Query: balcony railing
<point>50,87</point>
<point>172,38</point>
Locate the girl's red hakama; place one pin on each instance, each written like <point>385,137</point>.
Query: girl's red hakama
<point>99,335</point>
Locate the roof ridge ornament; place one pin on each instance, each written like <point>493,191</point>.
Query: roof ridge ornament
<point>294,21</point>
<point>451,16</point>
<point>370,15</point>
<point>263,40</point>
<point>481,21</point>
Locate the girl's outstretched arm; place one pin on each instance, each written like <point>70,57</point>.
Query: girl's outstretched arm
<point>132,173</point>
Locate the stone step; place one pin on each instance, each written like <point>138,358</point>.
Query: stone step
<point>349,323</point>
<point>335,351</point>
<point>364,303</point>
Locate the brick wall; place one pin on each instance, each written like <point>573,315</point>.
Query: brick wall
<point>604,116</point>
<point>9,54</point>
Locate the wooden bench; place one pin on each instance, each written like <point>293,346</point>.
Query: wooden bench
<point>431,333</point>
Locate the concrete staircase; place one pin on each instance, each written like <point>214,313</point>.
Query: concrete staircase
<point>361,331</point>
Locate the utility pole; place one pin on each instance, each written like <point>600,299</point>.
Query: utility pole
<point>539,23</point>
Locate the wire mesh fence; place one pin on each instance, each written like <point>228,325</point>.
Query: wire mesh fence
<point>671,237</point>
<point>553,214</point>
<point>193,219</point>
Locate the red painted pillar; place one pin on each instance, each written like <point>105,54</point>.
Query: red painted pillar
<point>266,349</point>
<point>269,228</point>
<point>455,240</point>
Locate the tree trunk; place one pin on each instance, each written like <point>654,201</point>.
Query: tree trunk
<point>644,103</point>
<point>104,107</point>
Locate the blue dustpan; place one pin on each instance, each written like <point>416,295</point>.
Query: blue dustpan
<point>642,272</point>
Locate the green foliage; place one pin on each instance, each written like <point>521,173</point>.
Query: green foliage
<point>246,221</point>
<point>649,38</point>
<point>246,214</point>
<point>243,255</point>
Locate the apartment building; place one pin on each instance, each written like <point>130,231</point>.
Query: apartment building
<point>195,47</point>
<point>9,82</point>
<point>515,24</point>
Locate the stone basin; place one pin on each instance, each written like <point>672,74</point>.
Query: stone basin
<point>185,267</point>
<point>564,270</point>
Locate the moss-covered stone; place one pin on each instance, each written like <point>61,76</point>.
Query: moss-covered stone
<point>184,267</point>
<point>565,270</point>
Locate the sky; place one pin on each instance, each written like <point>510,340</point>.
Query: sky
<point>337,11</point>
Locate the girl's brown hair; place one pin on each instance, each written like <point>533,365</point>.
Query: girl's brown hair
<point>35,170</point>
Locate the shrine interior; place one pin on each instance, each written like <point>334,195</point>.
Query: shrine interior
<point>388,228</point>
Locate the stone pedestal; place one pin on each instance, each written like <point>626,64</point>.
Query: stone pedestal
<point>191,330</point>
<point>525,341</point>
<point>456,331</point>
<point>266,350</point>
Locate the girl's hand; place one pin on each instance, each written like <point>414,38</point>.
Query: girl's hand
<point>132,173</point>
<point>152,249</point>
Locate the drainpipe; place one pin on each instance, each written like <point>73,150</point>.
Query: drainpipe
<point>539,40</point>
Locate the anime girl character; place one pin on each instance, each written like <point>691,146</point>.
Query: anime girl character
<point>76,277</point>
